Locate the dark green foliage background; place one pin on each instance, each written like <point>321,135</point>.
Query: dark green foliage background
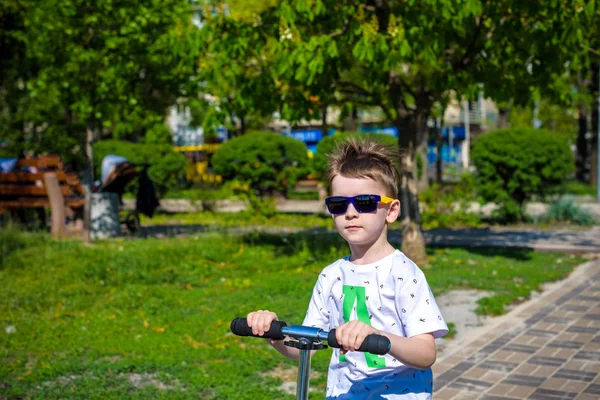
<point>267,161</point>
<point>514,165</point>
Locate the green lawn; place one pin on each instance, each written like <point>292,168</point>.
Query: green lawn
<point>149,318</point>
<point>243,218</point>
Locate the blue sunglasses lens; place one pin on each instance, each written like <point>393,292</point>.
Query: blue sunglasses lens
<point>362,203</point>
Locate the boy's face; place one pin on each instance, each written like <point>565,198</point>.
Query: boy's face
<point>362,229</point>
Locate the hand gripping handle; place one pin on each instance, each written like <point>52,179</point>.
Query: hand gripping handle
<point>239,326</point>
<point>375,344</point>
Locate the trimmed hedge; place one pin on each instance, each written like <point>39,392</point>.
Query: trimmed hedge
<point>513,165</point>
<point>268,162</point>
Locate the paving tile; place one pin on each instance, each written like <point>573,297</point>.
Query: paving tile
<point>501,355</point>
<point>595,317</point>
<point>501,366</point>
<point>574,308</point>
<point>574,386</point>
<point>572,374</point>
<point>547,361</point>
<point>547,394</point>
<point>557,320</point>
<point>584,337</point>
<point>592,389</point>
<point>584,396</point>
<point>587,355</point>
<point>500,389</point>
<point>523,380</point>
<point>477,357</point>
<point>521,392</point>
<point>581,329</point>
<point>544,371</point>
<point>474,385</point>
<point>547,352</point>
<point>446,394</point>
<point>488,397</point>
<point>577,365</point>
<point>493,376</point>
<point>525,369</point>
<point>540,333</point>
<point>540,341</point>
<point>475,373</point>
<point>553,383</point>
<point>565,353</point>
<point>593,366</point>
<point>521,348</point>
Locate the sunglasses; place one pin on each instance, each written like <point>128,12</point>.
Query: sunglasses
<point>363,203</point>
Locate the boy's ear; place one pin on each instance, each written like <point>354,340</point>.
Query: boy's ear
<point>393,211</point>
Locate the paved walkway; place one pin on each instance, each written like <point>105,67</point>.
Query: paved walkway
<point>548,348</point>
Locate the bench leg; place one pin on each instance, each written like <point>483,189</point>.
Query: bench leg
<point>57,204</point>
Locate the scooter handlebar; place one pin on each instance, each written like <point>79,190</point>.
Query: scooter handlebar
<point>239,326</point>
<point>376,344</point>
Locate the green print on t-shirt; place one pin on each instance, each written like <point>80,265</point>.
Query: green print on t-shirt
<point>356,295</point>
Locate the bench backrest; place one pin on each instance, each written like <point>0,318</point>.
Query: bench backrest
<point>30,187</point>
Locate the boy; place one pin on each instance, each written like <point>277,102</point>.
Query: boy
<point>376,290</point>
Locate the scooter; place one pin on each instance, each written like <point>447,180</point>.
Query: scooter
<point>307,339</point>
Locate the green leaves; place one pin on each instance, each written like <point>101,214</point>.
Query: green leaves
<point>267,161</point>
<point>101,65</point>
<point>515,165</point>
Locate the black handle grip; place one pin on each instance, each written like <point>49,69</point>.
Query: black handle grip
<point>375,344</point>
<point>239,326</point>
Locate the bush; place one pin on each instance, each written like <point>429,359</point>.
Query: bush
<point>515,164</point>
<point>566,210</point>
<point>448,206</point>
<point>326,146</point>
<point>166,166</point>
<point>267,162</point>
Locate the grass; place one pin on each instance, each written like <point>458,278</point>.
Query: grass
<point>243,218</point>
<point>149,319</point>
<point>578,188</point>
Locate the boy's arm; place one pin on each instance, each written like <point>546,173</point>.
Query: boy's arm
<point>418,351</point>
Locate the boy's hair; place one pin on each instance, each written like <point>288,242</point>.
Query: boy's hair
<point>365,158</point>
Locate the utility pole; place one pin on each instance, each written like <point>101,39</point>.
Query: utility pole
<point>598,127</point>
<point>467,141</point>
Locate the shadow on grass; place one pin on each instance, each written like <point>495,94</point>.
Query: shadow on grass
<point>514,253</point>
<point>319,242</point>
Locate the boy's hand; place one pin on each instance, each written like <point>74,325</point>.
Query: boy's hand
<point>351,335</point>
<point>260,322</point>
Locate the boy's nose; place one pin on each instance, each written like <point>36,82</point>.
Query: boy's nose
<point>351,211</point>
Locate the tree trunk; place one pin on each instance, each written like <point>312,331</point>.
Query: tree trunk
<point>438,149</point>
<point>503,114</point>
<point>242,124</point>
<point>324,121</point>
<point>595,86</point>
<point>350,123</point>
<point>410,127</point>
<point>582,144</point>
<point>89,178</point>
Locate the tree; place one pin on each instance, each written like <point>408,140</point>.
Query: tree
<point>104,68</point>
<point>404,56</point>
<point>234,68</point>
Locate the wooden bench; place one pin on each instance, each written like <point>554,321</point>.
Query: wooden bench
<point>40,183</point>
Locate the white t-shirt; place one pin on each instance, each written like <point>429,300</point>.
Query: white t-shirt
<point>393,296</point>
